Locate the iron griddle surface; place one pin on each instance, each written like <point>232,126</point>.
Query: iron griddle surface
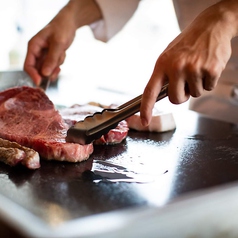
<point>146,170</point>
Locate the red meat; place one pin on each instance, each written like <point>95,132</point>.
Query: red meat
<point>79,112</point>
<point>28,117</point>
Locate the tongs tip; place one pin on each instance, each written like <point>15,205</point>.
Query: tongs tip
<point>45,82</point>
<point>98,124</point>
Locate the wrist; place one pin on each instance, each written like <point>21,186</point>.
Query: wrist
<point>83,12</point>
<point>228,10</point>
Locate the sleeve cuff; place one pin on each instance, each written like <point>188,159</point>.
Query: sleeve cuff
<point>116,13</point>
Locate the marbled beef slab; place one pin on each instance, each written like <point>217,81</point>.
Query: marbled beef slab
<point>28,117</point>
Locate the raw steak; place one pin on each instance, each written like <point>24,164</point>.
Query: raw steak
<point>28,117</point>
<point>79,112</point>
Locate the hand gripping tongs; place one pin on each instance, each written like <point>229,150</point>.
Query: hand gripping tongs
<point>98,124</point>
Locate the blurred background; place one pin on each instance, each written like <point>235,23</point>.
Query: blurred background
<point>122,66</point>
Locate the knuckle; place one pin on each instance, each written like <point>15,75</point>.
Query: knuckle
<point>30,43</point>
<point>59,41</point>
<point>214,70</point>
<point>209,86</point>
<point>211,77</point>
<point>196,93</point>
<point>175,99</point>
<point>149,92</point>
<point>177,65</point>
<point>194,71</point>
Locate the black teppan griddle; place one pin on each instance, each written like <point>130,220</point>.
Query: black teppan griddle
<point>147,169</point>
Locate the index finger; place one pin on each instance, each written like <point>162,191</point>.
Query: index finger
<point>150,95</point>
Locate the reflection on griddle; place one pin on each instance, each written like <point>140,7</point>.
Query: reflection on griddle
<point>18,174</point>
<point>107,171</point>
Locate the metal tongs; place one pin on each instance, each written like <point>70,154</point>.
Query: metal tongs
<point>100,123</point>
<point>45,82</point>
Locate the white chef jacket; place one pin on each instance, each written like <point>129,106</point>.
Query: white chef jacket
<point>116,14</point>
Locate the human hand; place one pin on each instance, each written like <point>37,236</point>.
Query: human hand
<point>192,62</point>
<point>47,49</point>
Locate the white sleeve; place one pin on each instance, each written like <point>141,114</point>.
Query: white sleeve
<point>115,13</point>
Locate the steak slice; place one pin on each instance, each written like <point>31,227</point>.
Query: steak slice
<point>11,156</point>
<point>78,112</point>
<point>28,117</point>
<point>12,153</point>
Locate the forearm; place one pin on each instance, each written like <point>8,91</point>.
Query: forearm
<point>81,12</point>
<point>222,16</point>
